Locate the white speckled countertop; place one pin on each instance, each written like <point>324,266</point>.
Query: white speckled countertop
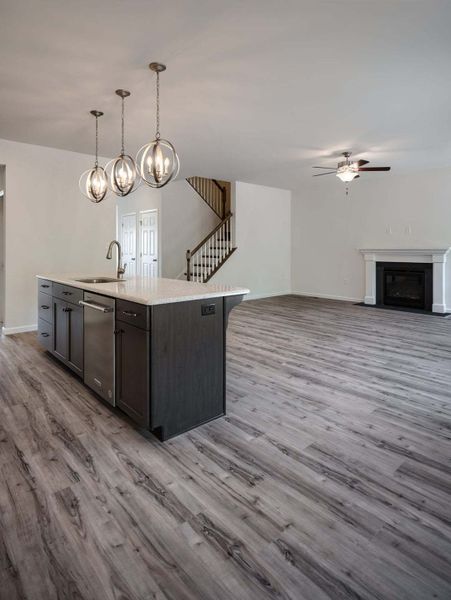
<point>147,290</point>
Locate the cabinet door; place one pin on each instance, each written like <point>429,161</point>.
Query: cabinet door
<point>132,372</point>
<point>75,341</point>
<point>60,330</point>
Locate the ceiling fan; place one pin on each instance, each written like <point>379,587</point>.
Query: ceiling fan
<point>348,170</point>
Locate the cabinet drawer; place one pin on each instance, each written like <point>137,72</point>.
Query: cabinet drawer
<point>45,307</point>
<point>133,313</point>
<point>67,293</point>
<point>44,285</point>
<point>45,334</point>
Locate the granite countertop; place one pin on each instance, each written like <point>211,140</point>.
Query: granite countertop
<point>147,290</point>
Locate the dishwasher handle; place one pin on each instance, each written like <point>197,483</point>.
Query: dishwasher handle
<point>99,307</point>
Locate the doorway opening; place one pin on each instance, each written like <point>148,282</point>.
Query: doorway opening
<point>138,235</point>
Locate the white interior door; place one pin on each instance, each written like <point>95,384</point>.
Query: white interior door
<point>148,239</point>
<point>128,242</point>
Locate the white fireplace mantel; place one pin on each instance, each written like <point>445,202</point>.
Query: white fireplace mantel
<point>436,256</point>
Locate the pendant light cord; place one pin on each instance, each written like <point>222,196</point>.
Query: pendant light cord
<point>97,142</point>
<point>123,136</point>
<point>158,106</point>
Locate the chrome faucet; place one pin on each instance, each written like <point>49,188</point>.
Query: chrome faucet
<point>120,269</point>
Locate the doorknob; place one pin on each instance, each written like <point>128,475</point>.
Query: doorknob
<point>154,260</point>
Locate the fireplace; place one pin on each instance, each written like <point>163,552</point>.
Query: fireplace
<point>436,276</point>
<point>404,285</point>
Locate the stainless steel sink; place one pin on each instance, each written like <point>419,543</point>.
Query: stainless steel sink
<point>99,280</point>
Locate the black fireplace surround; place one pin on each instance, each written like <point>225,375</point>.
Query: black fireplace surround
<point>404,285</point>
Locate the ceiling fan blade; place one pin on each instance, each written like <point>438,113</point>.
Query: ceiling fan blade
<point>375,169</point>
<point>329,173</point>
<point>362,162</point>
<point>329,168</point>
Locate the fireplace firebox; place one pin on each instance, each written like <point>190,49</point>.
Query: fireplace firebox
<point>404,285</point>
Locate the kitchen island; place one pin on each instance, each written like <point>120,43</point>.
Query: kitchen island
<point>155,348</point>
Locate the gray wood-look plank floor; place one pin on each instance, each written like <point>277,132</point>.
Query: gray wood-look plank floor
<point>328,479</point>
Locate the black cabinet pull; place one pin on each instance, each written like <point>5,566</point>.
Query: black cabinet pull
<point>45,307</point>
<point>45,334</point>
<point>67,293</point>
<point>66,309</point>
<point>129,313</point>
<point>45,285</point>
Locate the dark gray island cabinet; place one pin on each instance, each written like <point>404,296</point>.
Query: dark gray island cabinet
<point>168,352</point>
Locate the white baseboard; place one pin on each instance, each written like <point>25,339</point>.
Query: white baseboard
<point>20,329</point>
<point>328,296</point>
<point>261,296</point>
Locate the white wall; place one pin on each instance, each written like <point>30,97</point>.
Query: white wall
<point>50,226</point>
<point>185,221</point>
<point>386,210</point>
<point>263,237</point>
<point>2,241</point>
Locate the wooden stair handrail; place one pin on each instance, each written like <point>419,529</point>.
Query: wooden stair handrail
<point>206,238</point>
<point>218,184</point>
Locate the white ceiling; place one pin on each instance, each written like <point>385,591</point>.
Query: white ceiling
<point>256,90</point>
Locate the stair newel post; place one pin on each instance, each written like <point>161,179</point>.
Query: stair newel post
<point>208,256</point>
<point>218,255</point>
<point>226,249</point>
<point>188,265</point>
<point>232,234</point>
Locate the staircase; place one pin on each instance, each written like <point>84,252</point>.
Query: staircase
<point>203,261</point>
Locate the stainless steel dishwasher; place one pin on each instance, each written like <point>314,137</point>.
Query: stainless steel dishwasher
<point>99,344</point>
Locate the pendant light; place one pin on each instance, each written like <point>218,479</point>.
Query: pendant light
<point>157,161</point>
<point>94,183</point>
<point>121,171</point>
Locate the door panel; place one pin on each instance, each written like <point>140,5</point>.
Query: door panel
<point>128,242</point>
<point>148,226</point>
<point>132,372</point>
<point>187,369</point>
<point>75,360</point>
<point>61,332</point>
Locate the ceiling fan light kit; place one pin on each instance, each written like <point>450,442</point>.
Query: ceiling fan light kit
<point>157,163</point>
<point>346,174</point>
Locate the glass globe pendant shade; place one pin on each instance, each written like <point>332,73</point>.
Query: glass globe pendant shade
<point>94,184</point>
<point>122,175</point>
<point>158,163</point>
